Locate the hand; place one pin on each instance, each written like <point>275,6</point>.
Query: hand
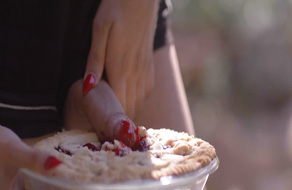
<point>15,155</point>
<point>101,111</point>
<point>122,44</point>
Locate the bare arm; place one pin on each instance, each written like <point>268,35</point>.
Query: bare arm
<point>167,106</point>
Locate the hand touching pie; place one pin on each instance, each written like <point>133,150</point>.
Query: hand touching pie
<point>157,153</point>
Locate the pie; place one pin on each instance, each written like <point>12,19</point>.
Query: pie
<point>161,152</point>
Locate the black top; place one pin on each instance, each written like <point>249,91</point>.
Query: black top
<point>43,49</point>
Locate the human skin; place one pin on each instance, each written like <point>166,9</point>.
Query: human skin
<point>122,47</point>
<point>128,65</point>
<point>98,110</point>
<point>167,105</point>
<point>16,154</point>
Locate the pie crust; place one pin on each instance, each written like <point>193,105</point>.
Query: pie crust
<point>169,153</point>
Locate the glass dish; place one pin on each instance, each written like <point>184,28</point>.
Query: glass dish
<point>191,181</point>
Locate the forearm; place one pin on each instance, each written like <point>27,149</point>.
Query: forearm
<point>167,106</point>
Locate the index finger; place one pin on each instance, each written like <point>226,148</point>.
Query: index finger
<point>96,57</point>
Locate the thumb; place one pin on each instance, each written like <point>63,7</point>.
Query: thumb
<point>96,57</point>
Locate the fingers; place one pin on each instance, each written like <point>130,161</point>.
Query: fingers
<point>106,115</point>
<point>74,116</point>
<point>99,105</point>
<point>140,95</point>
<point>131,98</point>
<point>149,84</point>
<point>117,64</point>
<point>96,57</point>
<point>15,154</point>
<point>35,160</point>
<point>132,88</point>
<point>138,91</point>
<point>119,88</point>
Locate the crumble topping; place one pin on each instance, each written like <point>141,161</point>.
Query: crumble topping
<point>165,152</point>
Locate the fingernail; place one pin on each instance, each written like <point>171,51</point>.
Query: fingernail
<point>88,83</point>
<point>51,163</point>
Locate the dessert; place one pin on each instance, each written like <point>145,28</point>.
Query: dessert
<point>156,153</point>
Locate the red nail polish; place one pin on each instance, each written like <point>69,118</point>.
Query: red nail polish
<point>51,163</point>
<point>88,83</point>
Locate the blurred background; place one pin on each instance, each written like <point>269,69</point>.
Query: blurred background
<point>236,62</point>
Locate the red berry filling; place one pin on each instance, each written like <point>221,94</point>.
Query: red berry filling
<point>142,147</point>
<point>126,133</point>
<point>119,151</point>
<point>51,163</point>
<point>126,136</point>
<point>91,147</point>
<point>140,143</point>
<point>60,149</point>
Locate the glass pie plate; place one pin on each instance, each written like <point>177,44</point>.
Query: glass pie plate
<point>190,181</point>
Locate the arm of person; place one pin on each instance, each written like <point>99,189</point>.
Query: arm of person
<point>167,105</point>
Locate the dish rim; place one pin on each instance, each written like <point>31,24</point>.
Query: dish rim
<point>187,178</point>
